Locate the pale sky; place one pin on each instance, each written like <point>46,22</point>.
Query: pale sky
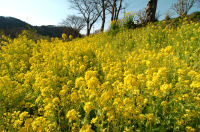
<point>36,12</point>
<point>52,12</point>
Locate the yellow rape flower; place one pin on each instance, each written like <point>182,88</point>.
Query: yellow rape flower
<point>90,74</point>
<point>88,107</point>
<point>86,128</point>
<point>80,82</point>
<point>189,129</point>
<point>94,120</point>
<point>72,115</point>
<point>70,37</point>
<point>23,115</point>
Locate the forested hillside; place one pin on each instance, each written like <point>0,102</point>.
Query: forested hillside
<point>12,27</point>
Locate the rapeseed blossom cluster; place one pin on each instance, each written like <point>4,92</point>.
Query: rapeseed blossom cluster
<point>146,79</point>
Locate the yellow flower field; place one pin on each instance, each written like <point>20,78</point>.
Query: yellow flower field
<point>147,79</point>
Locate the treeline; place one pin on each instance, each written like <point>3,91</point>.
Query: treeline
<point>54,31</point>
<point>12,27</point>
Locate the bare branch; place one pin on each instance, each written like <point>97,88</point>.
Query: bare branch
<point>89,9</point>
<point>182,7</point>
<point>75,22</point>
<point>114,7</point>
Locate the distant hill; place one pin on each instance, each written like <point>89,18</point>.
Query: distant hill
<point>11,22</point>
<point>56,31</point>
<point>11,26</point>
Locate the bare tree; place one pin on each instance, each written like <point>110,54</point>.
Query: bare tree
<point>151,10</point>
<point>157,15</point>
<point>142,16</point>
<point>104,6</point>
<point>75,22</point>
<point>90,11</point>
<point>182,7</point>
<point>197,3</point>
<point>103,17</point>
<point>115,6</point>
<point>168,15</point>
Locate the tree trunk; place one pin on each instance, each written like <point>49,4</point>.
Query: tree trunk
<point>113,10</point>
<point>88,28</point>
<point>151,10</point>
<point>104,15</point>
<point>119,9</point>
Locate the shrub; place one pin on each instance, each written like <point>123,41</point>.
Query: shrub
<point>128,20</point>
<point>115,25</point>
